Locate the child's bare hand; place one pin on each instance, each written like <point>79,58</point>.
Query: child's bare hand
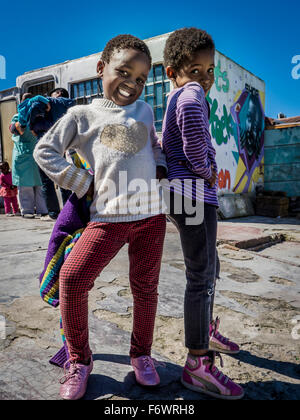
<point>48,107</point>
<point>213,179</point>
<point>161,172</point>
<point>19,128</point>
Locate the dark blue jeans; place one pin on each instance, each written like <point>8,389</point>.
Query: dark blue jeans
<point>199,249</point>
<point>49,194</point>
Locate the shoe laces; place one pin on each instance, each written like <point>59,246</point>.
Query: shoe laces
<point>213,368</point>
<point>150,362</point>
<point>216,333</point>
<point>74,370</point>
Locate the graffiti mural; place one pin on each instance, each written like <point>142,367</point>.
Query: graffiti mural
<point>224,180</point>
<point>248,114</point>
<point>237,126</point>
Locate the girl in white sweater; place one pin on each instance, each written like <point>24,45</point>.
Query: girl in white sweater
<point>116,136</point>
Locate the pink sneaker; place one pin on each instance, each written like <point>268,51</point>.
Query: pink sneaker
<point>145,372</point>
<point>74,383</point>
<point>219,343</point>
<point>201,375</point>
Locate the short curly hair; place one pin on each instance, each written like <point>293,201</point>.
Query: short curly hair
<point>123,42</point>
<point>183,43</point>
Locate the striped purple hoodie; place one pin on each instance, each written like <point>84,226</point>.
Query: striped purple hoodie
<point>186,139</point>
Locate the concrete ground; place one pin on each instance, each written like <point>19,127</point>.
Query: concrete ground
<point>257,299</point>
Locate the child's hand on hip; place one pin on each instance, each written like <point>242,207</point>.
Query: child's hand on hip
<point>213,179</point>
<point>161,172</point>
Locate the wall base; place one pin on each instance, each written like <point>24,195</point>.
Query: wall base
<point>235,205</point>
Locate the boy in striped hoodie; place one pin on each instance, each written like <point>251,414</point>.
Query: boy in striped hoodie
<point>189,62</point>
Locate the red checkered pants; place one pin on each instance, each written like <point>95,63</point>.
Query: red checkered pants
<point>99,243</point>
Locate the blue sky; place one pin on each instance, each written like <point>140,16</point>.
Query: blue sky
<point>261,36</point>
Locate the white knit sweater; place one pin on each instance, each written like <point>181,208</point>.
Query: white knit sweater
<point>122,148</point>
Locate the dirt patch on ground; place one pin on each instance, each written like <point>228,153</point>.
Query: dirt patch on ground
<point>241,275</point>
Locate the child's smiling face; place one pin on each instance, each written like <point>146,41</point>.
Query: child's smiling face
<point>125,75</point>
<point>200,68</point>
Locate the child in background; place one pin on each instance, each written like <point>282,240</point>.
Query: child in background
<point>116,136</point>
<point>8,191</point>
<point>189,61</point>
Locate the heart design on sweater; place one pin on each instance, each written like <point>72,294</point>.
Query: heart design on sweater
<point>129,140</point>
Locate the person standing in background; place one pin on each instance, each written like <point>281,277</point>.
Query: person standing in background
<point>25,172</point>
<point>39,114</point>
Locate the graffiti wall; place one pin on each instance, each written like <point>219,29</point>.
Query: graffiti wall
<point>237,102</point>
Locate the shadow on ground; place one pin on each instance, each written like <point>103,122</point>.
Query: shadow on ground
<point>104,387</point>
<point>289,369</point>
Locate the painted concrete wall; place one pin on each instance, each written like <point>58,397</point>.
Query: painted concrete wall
<point>237,102</point>
<point>282,160</point>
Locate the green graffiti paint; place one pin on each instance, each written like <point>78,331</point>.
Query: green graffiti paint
<point>221,75</point>
<point>221,128</point>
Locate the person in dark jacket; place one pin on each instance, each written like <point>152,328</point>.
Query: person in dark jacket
<point>40,114</point>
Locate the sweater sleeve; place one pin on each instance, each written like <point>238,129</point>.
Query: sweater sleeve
<point>49,154</point>
<point>191,123</point>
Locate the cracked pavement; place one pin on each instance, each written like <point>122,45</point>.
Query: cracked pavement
<point>257,299</point>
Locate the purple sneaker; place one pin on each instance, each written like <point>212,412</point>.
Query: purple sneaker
<point>219,343</point>
<point>74,382</point>
<point>201,375</point>
<point>145,372</point>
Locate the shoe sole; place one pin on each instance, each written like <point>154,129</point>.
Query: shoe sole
<point>144,385</point>
<point>210,393</point>
<point>148,386</point>
<point>220,350</point>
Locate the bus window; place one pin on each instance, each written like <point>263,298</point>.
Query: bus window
<point>41,88</point>
<point>84,92</point>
